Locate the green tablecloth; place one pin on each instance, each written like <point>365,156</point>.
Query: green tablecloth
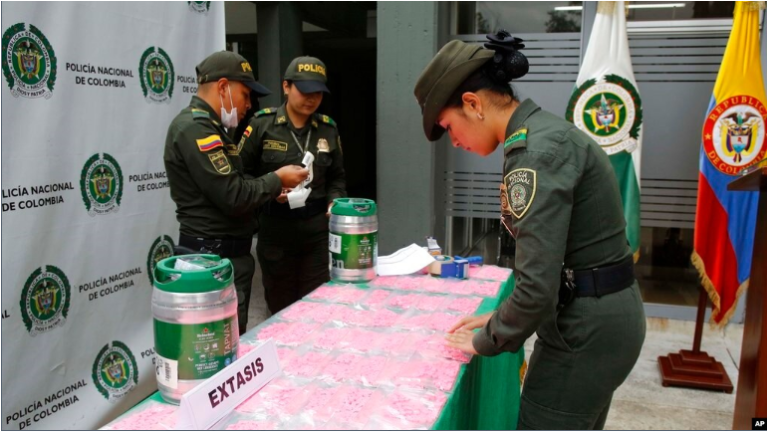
<point>487,391</point>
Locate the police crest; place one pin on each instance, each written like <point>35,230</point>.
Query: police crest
<point>29,63</point>
<point>101,184</point>
<point>115,371</point>
<point>156,75</point>
<point>45,300</point>
<point>521,189</point>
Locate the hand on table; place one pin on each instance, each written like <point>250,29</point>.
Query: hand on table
<point>471,322</point>
<point>462,339</point>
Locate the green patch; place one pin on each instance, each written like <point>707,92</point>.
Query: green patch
<point>265,111</point>
<point>198,113</point>
<point>517,136</point>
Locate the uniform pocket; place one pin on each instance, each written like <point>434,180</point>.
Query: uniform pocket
<point>273,156</point>
<point>534,416</point>
<point>323,159</point>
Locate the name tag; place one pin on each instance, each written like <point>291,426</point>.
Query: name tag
<point>275,145</point>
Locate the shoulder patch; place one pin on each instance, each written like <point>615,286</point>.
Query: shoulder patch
<point>199,113</point>
<point>265,111</point>
<point>209,143</point>
<point>517,139</point>
<point>220,162</point>
<point>521,189</point>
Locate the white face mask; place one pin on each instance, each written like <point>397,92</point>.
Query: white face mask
<point>228,119</point>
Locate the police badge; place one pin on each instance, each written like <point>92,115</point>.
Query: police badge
<point>521,189</point>
<point>322,146</point>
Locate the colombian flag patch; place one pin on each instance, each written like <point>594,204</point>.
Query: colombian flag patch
<point>209,143</point>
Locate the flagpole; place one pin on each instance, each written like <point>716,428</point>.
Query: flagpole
<point>700,320</point>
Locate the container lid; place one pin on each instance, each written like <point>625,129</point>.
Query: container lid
<point>215,274</point>
<point>353,207</point>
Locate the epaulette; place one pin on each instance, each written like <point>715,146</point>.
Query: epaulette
<point>200,113</point>
<point>325,119</point>
<point>265,111</point>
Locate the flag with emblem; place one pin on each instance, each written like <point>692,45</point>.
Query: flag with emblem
<point>606,105</point>
<point>733,140</point>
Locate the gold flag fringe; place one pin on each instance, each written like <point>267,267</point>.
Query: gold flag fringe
<point>714,296</point>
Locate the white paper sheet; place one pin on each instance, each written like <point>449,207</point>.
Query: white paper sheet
<point>405,261</point>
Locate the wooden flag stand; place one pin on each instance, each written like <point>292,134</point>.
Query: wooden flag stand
<point>695,368</point>
<point>750,394</point>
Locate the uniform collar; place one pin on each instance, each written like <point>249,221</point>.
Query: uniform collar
<point>521,114</point>
<point>199,103</point>
<point>281,117</point>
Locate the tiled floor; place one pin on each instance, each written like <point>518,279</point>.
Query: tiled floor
<point>642,402</point>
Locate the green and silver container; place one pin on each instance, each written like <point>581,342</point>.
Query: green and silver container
<point>194,307</point>
<point>353,240</point>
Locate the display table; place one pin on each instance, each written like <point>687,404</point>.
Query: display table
<point>372,356</point>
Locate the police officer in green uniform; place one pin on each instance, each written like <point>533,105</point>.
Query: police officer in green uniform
<point>574,281</point>
<point>292,245</point>
<point>214,202</point>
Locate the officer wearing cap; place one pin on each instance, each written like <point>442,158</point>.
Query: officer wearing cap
<point>292,246</point>
<point>214,202</point>
<point>574,281</point>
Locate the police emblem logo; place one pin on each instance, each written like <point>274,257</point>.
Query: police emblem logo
<point>201,7</point>
<point>220,162</point>
<point>101,184</point>
<point>521,189</point>
<point>29,63</point>
<point>322,146</point>
<point>156,75</point>
<point>734,134</point>
<point>609,112</point>
<point>161,249</point>
<point>115,371</point>
<point>45,300</point>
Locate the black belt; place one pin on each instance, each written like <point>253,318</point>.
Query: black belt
<point>310,209</point>
<point>596,282</point>
<point>225,248</point>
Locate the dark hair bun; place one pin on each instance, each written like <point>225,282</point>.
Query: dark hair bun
<point>508,63</point>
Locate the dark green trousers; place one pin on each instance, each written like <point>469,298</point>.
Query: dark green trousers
<point>582,356</point>
<point>244,266</point>
<point>293,255</point>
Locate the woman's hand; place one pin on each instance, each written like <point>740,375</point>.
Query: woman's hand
<point>471,322</point>
<point>462,339</point>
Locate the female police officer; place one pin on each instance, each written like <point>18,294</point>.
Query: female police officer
<point>292,245</point>
<point>574,282</point>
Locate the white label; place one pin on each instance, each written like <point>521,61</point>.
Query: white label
<point>167,371</point>
<point>334,243</point>
<point>217,396</point>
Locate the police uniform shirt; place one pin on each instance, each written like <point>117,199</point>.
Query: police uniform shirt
<point>269,144</point>
<point>561,202</point>
<point>205,175</point>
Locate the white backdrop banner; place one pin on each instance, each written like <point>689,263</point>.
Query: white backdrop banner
<point>89,91</point>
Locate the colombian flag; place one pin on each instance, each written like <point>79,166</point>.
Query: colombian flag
<point>209,143</point>
<point>733,139</point>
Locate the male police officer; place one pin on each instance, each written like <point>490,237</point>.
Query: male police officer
<point>214,202</point>
<point>293,242</point>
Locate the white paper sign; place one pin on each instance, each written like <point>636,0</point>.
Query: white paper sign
<point>217,396</point>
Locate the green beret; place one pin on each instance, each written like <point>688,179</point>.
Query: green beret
<point>453,64</point>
